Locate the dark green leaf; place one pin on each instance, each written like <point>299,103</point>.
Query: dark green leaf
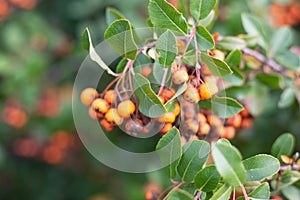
<point>288,60</point>
<point>223,193</point>
<point>121,65</point>
<point>224,107</point>
<point>112,15</point>
<point>207,179</point>
<point>284,145</point>
<point>200,9</point>
<point>216,66</point>
<point>261,192</point>
<point>180,195</point>
<point>234,58</point>
<point>260,167</point>
<point>119,36</point>
<point>170,150</point>
<point>204,39</point>
<point>166,48</point>
<point>280,40</point>
<point>271,80</point>
<point>231,43</point>
<point>287,98</point>
<point>228,161</point>
<point>85,40</point>
<point>164,15</point>
<point>195,154</point>
<point>190,57</point>
<point>149,103</point>
<point>158,72</point>
<point>237,92</point>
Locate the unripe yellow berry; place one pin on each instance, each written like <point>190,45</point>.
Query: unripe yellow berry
<point>113,116</point>
<point>110,96</point>
<point>168,117</point>
<point>207,90</point>
<point>180,77</point>
<point>88,95</point>
<point>191,95</point>
<point>100,105</point>
<point>126,108</point>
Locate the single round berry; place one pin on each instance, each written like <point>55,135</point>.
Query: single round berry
<point>227,132</point>
<point>110,96</point>
<point>168,93</point>
<point>100,105</point>
<point>201,118</point>
<point>168,117</point>
<point>126,108</point>
<point>106,125</point>
<point>204,129</point>
<point>180,77</point>
<point>207,90</point>
<point>112,115</point>
<point>217,54</point>
<point>235,121</point>
<point>214,120</point>
<point>177,109</point>
<point>167,127</point>
<point>247,123</point>
<point>191,125</point>
<point>191,95</point>
<point>88,95</point>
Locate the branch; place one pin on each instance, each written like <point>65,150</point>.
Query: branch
<point>275,66</point>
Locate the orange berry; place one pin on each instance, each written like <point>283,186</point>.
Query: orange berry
<point>92,113</point>
<point>191,95</point>
<point>201,118</point>
<point>247,123</point>
<point>245,113</point>
<point>112,115</point>
<point>88,95</point>
<point>276,198</point>
<point>177,109</point>
<point>146,71</point>
<point>207,90</point>
<point>235,121</point>
<point>100,105</point>
<point>106,125</point>
<point>167,127</point>
<point>191,125</point>
<point>168,117</point>
<point>126,108</point>
<point>110,96</point>
<point>204,129</point>
<point>167,93</point>
<point>227,132</point>
<point>180,77</point>
<point>286,159</point>
<point>214,120</point>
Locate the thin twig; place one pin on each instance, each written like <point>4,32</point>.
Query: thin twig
<point>263,59</point>
<point>244,192</point>
<point>109,86</point>
<point>163,81</point>
<point>197,197</point>
<point>173,189</point>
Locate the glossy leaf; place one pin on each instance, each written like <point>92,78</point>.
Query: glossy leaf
<point>261,192</point>
<point>224,107</point>
<point>158,72</point>
<point>281,39</point>
<point>119,36</point>
<point>231,43</point>
<point>271,80</point>
<point>207,179</point>
<point>166,48</point>
<point>236,92</point>
<point>291,193</point>
<point>284,145</point>
<point>164,15</point>
<point>149,103</point>
<point>204,39</point>
<point>195,154</point>
<point>287,98</point>
<point>228,161</point>
<point>260,167</point>
<point>170,150</point>
<point>216,66</point>
<point>200,9</point>
<point>223,193</point>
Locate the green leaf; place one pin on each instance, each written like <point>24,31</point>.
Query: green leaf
<point>149,103</point>
<point>284,145</point>
<point>287,98</point>
<point>166,48</point>
<point>253,26</point>
<point>88,45</point>
<point>288,178</point>
<point>280,40</point>
<point>119,36</point>
<point>233,60</point>
<point>260,167</point>
<point>170,150</point>
<point>207,179</point>
<point>164,15</point>
<point>204,39</point>
<point>121,65</point>
<point>208,21</point>
<point>271,80</point>
<point>200,9</point>
<point>228,161</point>
<point>231,43</point>
<point>195,154</point>
<point>190,57</point>
<point>288,60</point>
<point>180,195</point>
<point>216,66</point>
<point>261,192</point>
<point>291,193</point>
<point>224,107</point>
<point>223,193</point>
<point>158,72</point>
<point>236,92</point>
<point>112,15</point>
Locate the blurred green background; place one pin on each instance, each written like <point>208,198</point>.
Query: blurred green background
<point>41,156</point>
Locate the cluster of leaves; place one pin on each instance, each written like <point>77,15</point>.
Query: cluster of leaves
<point>219,171</point>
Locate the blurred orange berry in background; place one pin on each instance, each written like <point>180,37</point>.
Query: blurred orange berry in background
<point>13,114</point>
<point>26,147</point>
<point>49,105</point>
<point>53,154</point>
<point>25,4</point>
<point>5,9</point>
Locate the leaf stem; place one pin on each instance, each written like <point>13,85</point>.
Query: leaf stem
<point>109,86</point>
<point>173,189</point>
<point>198,195</point>
<point>244,192</point>
<point>163,82</point>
